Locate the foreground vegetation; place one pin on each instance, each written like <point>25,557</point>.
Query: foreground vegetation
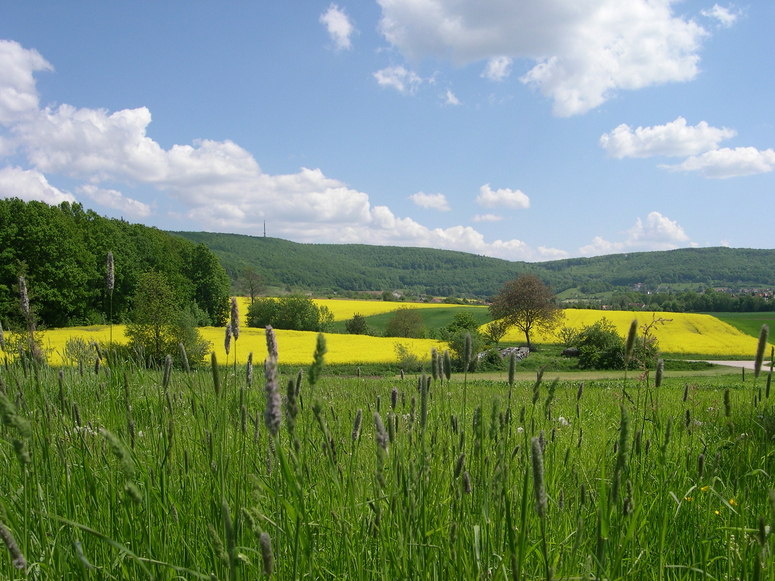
<point>113,471</point>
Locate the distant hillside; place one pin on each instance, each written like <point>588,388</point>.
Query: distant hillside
<point>359,267</point>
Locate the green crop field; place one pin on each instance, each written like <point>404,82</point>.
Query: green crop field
<point>112,471</point>
<point>750,323</point>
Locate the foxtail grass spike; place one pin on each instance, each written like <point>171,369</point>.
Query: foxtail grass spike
<point>727,403</point>
<point>184,358</point>
<point>234,318</point>
<point>271,343</point>
<point>761,348</point>
<point>17,558</point>
<point>660,372</point>
<point>272,414</point>
<point>110,275</point>
<point>25,300</point>
<point>167,372</point>
<point>266,553</point>
<point>227,339</point>
<point>630,341</point>
<point>539,488</point>
<point>381,433</point>
<point>317,359</point>
<point>216,374</point>
<point>434,362</point>
<point>249,370</point>
<point>2,338</point>
<point>357,425</point>
<point>447,364</point>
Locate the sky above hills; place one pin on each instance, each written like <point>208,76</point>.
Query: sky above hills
<point>527,130</point>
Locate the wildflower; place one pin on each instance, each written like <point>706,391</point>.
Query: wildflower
<point>688,498</point>
<point>732,502</point>
<point>705,488</point>
<point>717,512</point>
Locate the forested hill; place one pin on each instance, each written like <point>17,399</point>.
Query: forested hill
<point>62,253</point>
<point>449,273</point>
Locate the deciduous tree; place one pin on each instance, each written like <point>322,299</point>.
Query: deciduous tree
<point>527,304</point>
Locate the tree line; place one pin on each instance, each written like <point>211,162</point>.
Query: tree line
<point>61,251</point>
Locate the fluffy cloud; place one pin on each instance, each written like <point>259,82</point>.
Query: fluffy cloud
<point>502,198</point>
<point>218,184</point>
<point>339,27</point>
<point>728,163</point>
<point>672,139</point>
<point>658,232</point>
<point>401,79</point>
<point>116,200</point>
<point>18,95</point>
<point>487,218</point>
<point>16,182</point>
<point>498,68</point>
<point>431,201</point>
<point>583,53</point>
<point>726,16</point>
<point>450,99</point>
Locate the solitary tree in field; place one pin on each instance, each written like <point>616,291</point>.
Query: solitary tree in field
<point>527,304</point>
<point>252,283</point>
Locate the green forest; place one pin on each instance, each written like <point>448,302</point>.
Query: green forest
<point>61,251</point>
<point>359,267</point>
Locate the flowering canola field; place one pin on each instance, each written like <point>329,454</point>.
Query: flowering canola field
<point>344,309</point>
<point>684,333</point>
<point>295,347</point>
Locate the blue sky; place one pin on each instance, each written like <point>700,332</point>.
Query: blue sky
<point>527,130</point>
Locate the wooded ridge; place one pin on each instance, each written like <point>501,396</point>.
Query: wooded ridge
<point>360,267</point>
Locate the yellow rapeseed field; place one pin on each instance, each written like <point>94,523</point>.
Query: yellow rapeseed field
<point>295,347</point>
<point>684,333</point>
<point>344,309</point>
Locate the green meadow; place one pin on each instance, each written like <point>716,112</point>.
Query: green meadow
<point>112,471</point>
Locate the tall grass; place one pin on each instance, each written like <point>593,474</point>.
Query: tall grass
<point>130,473</point>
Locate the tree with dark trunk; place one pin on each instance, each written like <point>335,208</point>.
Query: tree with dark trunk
<point>527,304</point>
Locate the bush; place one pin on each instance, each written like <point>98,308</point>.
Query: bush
<point>406,322</point>
<point>601,346</point>
<point>492,361</point>
<point>457,348</point>
<point>407,359</point>
<point>294,312</point>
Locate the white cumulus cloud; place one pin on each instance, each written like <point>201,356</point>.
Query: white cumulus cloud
<point>27,185</point>
<point>115,200</point>
<point>402,80</point>
<point>726,17</point>
<point>431,201</point>
<point>502,198</point>
<point>675,139</point>
<point>340,27</point>
<point>217,184</point>
<point>582,52</point>
<point>450,99</point>
<point>728,163</point>
<point>657,232</point>
<point>487,218</point>
<point>498,68</point>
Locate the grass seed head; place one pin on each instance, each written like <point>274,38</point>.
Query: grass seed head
<point>17,558</point>
<point>110,275</point>
<point>727,403</point>
<point>216,374</point>
<point>381,433</point>
<point>660,373</point>
<point>760,349</point>
<point>184,358</point>
<point>234,318</point>
<point>25,300</point>
<point>266,553</point>
<point>539,488</point>
<point>272,414</point>
<point>2,338</point>
<point>630,341</point>
<point>271,342</point>
<point>357,425</point>
<point>249,370</point>
<point>447,364</point>
<point>227,339</point>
